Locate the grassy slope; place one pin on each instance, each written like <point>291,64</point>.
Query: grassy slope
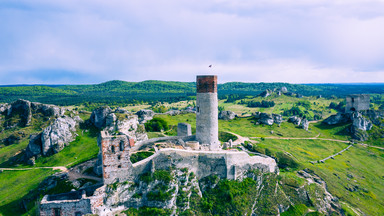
<point>14,185</point>
<point>365,165</point>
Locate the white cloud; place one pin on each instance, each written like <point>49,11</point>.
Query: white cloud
<point>268,40</point>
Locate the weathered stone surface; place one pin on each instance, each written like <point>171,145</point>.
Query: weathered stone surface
<point>189,110</point>
<point>145,115</point>
<point>122,111</point>
<point>277,119</point>
<point>34,146</point>
<point>57,135</point>
<point>4,108</point>
<point>361,123</point>
<point>265,93</point>
<point>266,119</point>
<point>99,115</point>
<point>23,109</point>
<point>47,109</point>
<point>304,124</point>
<point>227,115</point>
<point>295,120</point>
<point>173,112</point>
<point>184,129</point>
<point>284,89</point>
<point>338,118</point>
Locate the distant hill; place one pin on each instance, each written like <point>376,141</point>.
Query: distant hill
<point>116,91</point>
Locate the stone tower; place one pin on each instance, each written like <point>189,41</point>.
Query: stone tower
<point>357,102</point>
<point>116,163</point>
<point>207,127</point>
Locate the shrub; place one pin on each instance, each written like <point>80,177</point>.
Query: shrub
<point>284,160</point>
<point>140,156</point>
<point>156,125</point>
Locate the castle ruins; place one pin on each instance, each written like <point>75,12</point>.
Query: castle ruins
<point>200,153</point>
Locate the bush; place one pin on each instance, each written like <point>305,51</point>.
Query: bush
<point>156,125</point>
<point>225,137</point>
<point>140,156</point>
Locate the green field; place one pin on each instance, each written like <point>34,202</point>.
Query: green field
<point>15,185</point>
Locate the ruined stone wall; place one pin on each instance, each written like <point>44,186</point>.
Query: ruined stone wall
<point>65,207</point>
<point>184,129</point>
<point>116,162</point>
<point>226,164</point>
<point>357,102</point>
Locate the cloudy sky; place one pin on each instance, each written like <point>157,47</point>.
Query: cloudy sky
<point>93,41</point>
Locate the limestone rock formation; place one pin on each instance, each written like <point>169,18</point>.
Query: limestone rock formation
<point>145,115</point>
<point>227,115</point>
<point>59,134</point>
<point>173,112</point>
<point>361,123</point>
<point>267,119</point>
<point>266,93</point>
<point>304,124</point>
<point>99,115</point>
<point>47,109</point>
<point>23,109</point>
<point>53,138</point>
<point>284,89</point>
<point>295,120</point>
<point>338,118</point>
<point>4,108</point>
<point>277,119</point>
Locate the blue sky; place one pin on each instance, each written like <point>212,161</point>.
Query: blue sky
<point>93,41</point>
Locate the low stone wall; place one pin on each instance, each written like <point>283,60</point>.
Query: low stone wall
<point>71,207</point>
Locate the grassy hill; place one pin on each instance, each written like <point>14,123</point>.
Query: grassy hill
<point>167,91</point>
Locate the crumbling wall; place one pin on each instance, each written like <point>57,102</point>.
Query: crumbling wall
<point>62,207</point>
<point>357,102</point>
<point>184,129</point>
<point>116,164</point>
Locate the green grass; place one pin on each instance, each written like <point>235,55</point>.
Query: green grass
<point>14,185</point>
<point>82,149</point>
<point>364,164</point>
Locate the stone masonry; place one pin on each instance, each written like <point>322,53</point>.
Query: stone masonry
<point>357,102</point>
<point>184,129</point>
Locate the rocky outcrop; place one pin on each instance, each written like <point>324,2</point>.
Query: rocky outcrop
<point>173,112</point>
<point>361,123</point>
<point>277,119</point>
<point>304,124</point>
<point>59,134</point>
<point>145,115</point>
<point>47,109</point>
<point>53,138</point>
<point>99,116</point>
<point>227,115</point>
<point>23,109</point>
<point>284,89</point>
<point>4,108</point>
<point>267,119</point>
<point>295,120</point>
<point>266,93</point>
<point>338,118</point>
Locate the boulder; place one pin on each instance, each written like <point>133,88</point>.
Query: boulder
<point>173,112</point>
<point>227,115</point>
<point>277,119</point>
<point>34,146</point>
<point>295,120</point>
<point>304,124</point>
<point>299,95</point>
<point>256,115</point>
<point>284,89</point>
<point>57,135</point>
<point>145,115</point>
<point>122,111</point>
<point>266,119</point>
<point>99,115</point>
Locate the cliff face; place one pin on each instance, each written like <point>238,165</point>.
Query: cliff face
<point>180,191</point>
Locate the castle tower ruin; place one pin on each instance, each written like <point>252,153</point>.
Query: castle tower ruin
<point>207,127</point>
<point>357,102</point>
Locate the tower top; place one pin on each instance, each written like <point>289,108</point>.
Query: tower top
<point>206,84</point>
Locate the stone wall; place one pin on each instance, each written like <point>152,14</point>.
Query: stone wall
<point>357,102</point>
<point>115,157</point>
<point>63,205</point>
<point>184,129</point>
